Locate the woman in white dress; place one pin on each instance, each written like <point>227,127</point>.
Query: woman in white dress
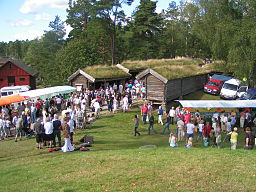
<point>66,134</point>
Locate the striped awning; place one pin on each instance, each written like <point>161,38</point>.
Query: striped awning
<point>218,103</point>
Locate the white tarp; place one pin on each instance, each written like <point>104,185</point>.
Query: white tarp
<point>218,103</point>
<point>48,92</point>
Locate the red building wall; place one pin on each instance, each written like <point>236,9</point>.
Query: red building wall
<point>21,77</point>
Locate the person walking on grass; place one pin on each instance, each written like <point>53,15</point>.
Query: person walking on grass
<point>136,125</point>
<point>233,138</point>
<point>160,115</point>
<point>151,123</point>
<point>167,124</point>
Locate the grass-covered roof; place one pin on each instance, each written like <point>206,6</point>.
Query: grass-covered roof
<point>105,72</point>
<point>174,68</point>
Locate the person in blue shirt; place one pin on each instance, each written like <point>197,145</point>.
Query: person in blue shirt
<point>160,115</point>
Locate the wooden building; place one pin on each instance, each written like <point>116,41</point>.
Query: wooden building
<point>162,89</point>
<point>94,77</point>
<point>170,79</point>
<point>14,72</point>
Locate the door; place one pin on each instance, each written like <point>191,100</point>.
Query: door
<point>11,80</point>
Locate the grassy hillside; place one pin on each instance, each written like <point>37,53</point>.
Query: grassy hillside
<point>117,164</point>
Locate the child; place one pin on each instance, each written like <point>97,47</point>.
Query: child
<point>172,140</point>
<point>190,142</point>
<point>233,139</point>
<point>136,125</point>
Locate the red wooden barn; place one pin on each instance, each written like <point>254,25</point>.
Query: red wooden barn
<point>15,72</point>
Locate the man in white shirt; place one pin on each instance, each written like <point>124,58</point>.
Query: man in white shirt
<point>190,130</point>
<point>125,103</point>
<point>96,106</point>
<point>48,130</point>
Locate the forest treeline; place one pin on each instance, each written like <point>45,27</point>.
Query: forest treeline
<point>103,34</point>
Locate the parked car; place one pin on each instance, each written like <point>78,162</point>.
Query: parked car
<point>250,94</point>
<point>230,89</point>
<point>215,83</point>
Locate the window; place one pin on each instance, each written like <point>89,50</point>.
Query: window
<point>22,79</point>
<point>10,66</point>
<point>4,93</point>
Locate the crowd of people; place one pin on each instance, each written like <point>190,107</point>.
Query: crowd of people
<point>58,117</point>
<point>54,121</point>
<point>196,126</point>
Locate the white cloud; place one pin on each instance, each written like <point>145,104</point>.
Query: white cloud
<point>68,28</point>
<point>30,6</point>
<point>22,23</point>
<point>30,35</point>
<point>43,17</point>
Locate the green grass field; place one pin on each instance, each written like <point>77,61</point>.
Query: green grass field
<point>117,164</point>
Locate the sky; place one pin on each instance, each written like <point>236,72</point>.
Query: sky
<point>28,19</point>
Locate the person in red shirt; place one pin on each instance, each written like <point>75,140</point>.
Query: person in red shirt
<point>206,131</point>
<point>144,113</point>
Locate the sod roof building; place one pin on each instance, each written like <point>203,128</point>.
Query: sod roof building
<point>94,77</point>
<point>172,78</point>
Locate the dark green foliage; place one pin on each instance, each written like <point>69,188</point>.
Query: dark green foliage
<point>103,34</point>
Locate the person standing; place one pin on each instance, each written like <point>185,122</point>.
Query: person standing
<point>71,128</point>
<point>56,123</point>
<point>151,123</point>
<point>190,129</point>
<point>66,135</point>
<point>48,132</point>
<point>96,106</point>
<point>249,139</point>
<point>233,138</point>
<point>180,126</point>
<point>136,125</point>
<point>18,126</point>
<point>144,113</point>
<point>172,114</point>
<point>2,132</point>
<point>125,103</point>
<point>39,133</point>
<point>160,114</point>
<point>33,113</point>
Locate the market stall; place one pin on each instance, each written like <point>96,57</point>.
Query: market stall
<point>218,103</point>
<point>11,99</point>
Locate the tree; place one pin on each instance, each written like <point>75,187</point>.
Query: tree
<point>146,28</point>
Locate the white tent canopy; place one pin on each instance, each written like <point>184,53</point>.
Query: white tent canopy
<point>218,103</point>
<point>48,92</point>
